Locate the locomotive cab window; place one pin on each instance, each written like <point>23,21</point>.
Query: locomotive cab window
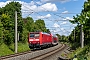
<point>31,35</point>
<point>36,35</point>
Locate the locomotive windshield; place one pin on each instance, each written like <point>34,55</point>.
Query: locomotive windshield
<point>31,35</point>
<point>34,35</point>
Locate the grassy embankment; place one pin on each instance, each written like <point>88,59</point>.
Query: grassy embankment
<point>6,50</point>
<point>81,53</point>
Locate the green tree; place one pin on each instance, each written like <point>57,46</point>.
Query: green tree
<point>86,13</point>
<point>8,20</point>
<point>1,32</point>
<point>41,25</point>
<point>5,18</point>
<point>84,19</point>
<point>30,24</point>
<point>25,35</point>
<point>75,38</point>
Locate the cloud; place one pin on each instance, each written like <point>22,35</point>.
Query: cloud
<point>47,7</point>
<point>32,7</point>
<point>63,23</point>
<point>42,17</point>
<point>56,25</point>
<point>64,30</point>
<point>68,18</point>
<point>74,24</point>
<point>60,30</point>
<point>65,12</point>
<point>62,1</point>
<point>39,3</point>
<point>2,4</point>
<point>28,7</point>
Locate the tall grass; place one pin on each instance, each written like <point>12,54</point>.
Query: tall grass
<point>6,50</point>
<point>81,53</point>
<point>23,47</point>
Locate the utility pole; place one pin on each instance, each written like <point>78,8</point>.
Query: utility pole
<point>15,31</point>
<point>82,37</point>
<point>74,36</point>
<point>18,36</point>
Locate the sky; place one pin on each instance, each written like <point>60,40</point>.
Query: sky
<point>55,13</point>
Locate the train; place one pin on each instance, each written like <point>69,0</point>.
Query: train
<point>41,39</point>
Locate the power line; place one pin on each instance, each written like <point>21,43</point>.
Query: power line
<point>46,18</point>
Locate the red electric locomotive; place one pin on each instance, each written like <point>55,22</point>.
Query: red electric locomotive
<point>40,39</point>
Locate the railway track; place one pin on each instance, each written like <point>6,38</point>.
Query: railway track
<point>34,55</point>
<point>41,57</point>
<point>13,55</point>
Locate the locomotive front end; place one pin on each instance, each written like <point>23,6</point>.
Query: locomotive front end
<point>34,41</point>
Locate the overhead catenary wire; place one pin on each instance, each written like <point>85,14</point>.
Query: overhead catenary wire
<point>42,15</point>
<point>59,16</point>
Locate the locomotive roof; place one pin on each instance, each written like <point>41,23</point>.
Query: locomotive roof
<point>42,33</point>
<point>46,33</point>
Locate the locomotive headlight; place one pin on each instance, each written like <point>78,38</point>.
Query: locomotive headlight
<point>31,40</point>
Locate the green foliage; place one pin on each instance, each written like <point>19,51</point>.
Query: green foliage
<point>82,19</point>
<point>25,35</point>
<point>38,25</point>
<point>11,8</point>
<point>8,19</point>
<point>80,52</point>
<point>41,25</point>
<point>5,19</point>
<point>23,47</point>
<point>8,38</point>
<point>30,24</point>
<point>1,33</point>
<point>59,37</point>
<point>24,25</point>
<point>7,50</point>
<point>4,50</point>
<point>75,38</point>
<point>62,38</point>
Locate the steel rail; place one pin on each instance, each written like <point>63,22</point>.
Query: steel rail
<point>41,57</point>
<point>24,54</point>
<point>13,55</point>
